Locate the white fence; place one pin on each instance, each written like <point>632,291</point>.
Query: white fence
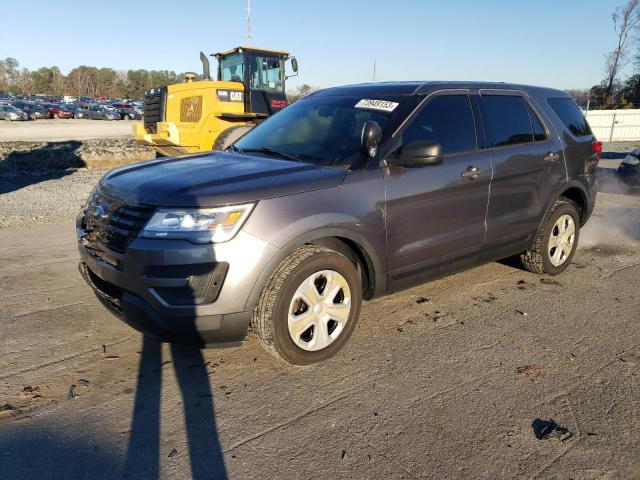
<point>615,125</point>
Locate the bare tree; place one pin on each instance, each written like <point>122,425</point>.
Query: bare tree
<point>580,95</point>
<point>24,82</point>
<point>302,91</point>
<point>626,22</point>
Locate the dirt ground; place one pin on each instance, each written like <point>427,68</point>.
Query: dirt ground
<point>441,381</point>
<point>61,130</point>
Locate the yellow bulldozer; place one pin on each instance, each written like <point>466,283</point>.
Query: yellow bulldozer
<point>198,116</point>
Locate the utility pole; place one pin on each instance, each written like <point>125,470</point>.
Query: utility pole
<point>248,22</point>
<point>374,71</point>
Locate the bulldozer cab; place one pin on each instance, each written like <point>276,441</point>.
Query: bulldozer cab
<point>200,115</point>
<point>262,72</point>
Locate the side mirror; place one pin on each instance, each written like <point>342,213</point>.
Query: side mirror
<point>419,154</point>
<point>371,137</point>
<point>294,64</point>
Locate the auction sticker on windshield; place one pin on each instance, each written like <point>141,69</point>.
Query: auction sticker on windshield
<point>383,105</point>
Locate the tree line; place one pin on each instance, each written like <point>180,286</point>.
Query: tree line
<point>620,87</point>
<point>82,81</point>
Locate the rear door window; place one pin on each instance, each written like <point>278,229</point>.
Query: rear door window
<point>447,120</point>
<point>507,120</point>
<point>569,113</point>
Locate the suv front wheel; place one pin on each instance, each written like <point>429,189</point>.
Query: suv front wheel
<point>309,307</point>
<point>556,241</point>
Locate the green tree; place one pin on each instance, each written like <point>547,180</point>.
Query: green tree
<point>47,80</point>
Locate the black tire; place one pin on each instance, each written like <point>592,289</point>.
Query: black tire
<point>270,315</point>
<point>538,259</point>
<point>230,135</point>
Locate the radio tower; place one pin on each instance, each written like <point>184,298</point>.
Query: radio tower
<point>248,22</point>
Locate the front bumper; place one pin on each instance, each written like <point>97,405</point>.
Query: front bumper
<point>156,286</point>
<point>166,140</point>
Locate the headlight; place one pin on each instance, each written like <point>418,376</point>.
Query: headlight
<point>199,225</point>
<point>631,160</point>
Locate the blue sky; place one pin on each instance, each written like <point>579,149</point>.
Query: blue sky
<point>556,43</point>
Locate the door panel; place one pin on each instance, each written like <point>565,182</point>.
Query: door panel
<point>526,171</point>
<point>521,187</point>
<point>436,214</point>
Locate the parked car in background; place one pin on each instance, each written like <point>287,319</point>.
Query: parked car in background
<point>629,169</point>
<point>100,112</point>
<point>57,111</point>
<point>138,107</point>
<point>11,113</point>
<point>33,110</point>
<point>76,110</point>
<point>126,113</point>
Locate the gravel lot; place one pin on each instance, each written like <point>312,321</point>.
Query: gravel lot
<point>441,381</point>
<point>59,130</point>
<point>45,197</point>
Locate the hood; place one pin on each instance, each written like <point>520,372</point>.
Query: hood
<point>216,178</point>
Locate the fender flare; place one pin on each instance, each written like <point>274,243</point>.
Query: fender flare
<point>557,194</point>
<point>373,259</point>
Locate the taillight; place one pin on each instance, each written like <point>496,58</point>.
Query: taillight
<point>597,149</point>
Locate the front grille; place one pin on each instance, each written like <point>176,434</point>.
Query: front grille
<point>154,107</point>
<point>111,225</point>
<point>191,109</point>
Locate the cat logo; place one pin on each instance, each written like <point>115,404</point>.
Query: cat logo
<point>230,95</point>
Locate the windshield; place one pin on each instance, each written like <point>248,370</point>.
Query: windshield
<point>232,68</point>
<point>323,130</point>
<point>266,73</point>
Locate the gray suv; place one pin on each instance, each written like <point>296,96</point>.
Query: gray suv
<point>346,195</point>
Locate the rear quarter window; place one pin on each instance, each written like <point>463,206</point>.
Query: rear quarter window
<point>569,113</point>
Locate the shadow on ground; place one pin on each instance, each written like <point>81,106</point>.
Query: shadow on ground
<point>21,168</point>
<point>32,451</point>
<point>143,452</point>
<point>613,155</point>
<point>49,453</point>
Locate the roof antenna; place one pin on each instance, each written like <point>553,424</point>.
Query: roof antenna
<point>248,22</point>
<point>374,71</point>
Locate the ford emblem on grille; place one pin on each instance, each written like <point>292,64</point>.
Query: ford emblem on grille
<point>98,212</point>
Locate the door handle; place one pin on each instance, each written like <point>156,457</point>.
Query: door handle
<point>551,157</point>
<point>472,173</point>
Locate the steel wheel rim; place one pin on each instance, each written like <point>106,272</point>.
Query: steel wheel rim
<point>561,240</point>
<point>319,310</point>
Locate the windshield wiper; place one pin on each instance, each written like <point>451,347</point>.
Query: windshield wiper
<point>269,151</point>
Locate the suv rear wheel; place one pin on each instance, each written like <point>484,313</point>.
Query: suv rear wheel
<point>556,241</point>
<point>309,307</point>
